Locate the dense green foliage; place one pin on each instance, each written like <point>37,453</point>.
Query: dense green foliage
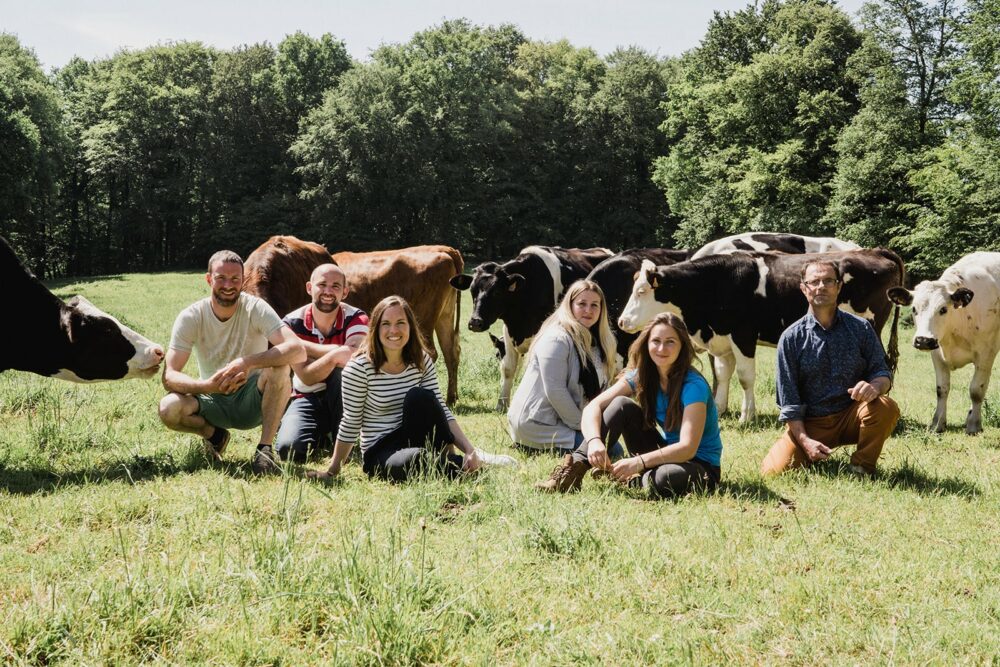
<point>789,115</point>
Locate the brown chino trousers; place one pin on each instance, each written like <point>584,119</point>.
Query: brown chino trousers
<point>868,425</point>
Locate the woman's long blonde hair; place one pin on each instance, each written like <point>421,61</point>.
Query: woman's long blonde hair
<point>581,335</point>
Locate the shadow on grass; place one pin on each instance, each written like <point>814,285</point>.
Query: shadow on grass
<point>914,479</point>
<point>906,477</point>
<point>754,490</point>
<point>137,469</point>
<point>764,421</point>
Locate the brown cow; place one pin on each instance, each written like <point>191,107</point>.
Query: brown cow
<point>278,270</point>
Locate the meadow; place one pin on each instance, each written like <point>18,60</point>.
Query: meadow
<point>121,544</point>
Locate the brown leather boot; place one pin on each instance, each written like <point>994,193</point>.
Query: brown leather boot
<point>567,476</point>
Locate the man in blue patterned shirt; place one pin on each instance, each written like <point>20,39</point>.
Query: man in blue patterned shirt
<point>832,382</point>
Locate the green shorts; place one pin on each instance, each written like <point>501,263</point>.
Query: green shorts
<point>240,410</point>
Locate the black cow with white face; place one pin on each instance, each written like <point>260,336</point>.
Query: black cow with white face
<point>72,340</point>
<point>794,244</point>
<point>616,275</point>
<point>521,293</point>
<point>731,302</point>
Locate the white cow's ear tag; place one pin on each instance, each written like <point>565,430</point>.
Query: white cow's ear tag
<point>655,282</point>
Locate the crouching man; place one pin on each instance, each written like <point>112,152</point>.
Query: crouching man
<point>242,383</point>
<point>331,331</point>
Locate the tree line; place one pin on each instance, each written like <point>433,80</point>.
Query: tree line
<point>788,116</point>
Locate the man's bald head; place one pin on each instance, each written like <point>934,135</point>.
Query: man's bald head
<point>327,269</point>
<point>327,286</point>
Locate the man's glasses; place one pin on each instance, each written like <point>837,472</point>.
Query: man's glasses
<point>820,282</point>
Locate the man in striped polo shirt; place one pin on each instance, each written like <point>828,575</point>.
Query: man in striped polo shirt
<point>331,331</point>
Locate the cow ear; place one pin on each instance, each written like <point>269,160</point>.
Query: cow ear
<point>900,296</point>
<point>461,281</point>
<point>73,323</point>
<point>962,297</point>
<point>516,282</point>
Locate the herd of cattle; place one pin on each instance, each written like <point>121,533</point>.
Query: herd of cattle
<point>732,293</point>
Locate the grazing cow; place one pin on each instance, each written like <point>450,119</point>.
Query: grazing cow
<point>522,292</point>
<point>957,320</point>
<point>72,340</point>
<point>731,302</point>
<point>277,271</point>
<point>768,241</point>
<point>616,274</point>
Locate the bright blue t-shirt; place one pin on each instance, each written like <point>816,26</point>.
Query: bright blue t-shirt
<point>694,390</point>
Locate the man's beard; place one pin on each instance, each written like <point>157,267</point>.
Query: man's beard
<point>224,302</point>
<point>324,307</point>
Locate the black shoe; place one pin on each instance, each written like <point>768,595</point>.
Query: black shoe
<point>264,462</point>
<point>216,445</point>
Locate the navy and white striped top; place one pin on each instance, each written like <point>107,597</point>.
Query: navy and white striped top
<point>373,401</point>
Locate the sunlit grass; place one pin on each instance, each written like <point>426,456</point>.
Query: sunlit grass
<point>120,543</point>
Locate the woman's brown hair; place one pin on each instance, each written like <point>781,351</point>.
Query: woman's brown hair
<point>416,346</point>
<point>647,376</point>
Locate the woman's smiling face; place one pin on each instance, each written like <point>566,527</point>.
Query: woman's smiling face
<point>394,329</point>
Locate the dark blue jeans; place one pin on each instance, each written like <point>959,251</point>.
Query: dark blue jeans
<point>423,437</point>
<point>310,421</point>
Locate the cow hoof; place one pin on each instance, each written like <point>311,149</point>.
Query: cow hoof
<point>974,429</point>
<point>937,428</point>
<point>502,405</point>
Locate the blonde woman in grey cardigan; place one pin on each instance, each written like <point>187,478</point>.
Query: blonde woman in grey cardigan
<point>570,362</point>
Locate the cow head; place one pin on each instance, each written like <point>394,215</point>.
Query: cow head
<point>493,290</point>
<point>102,348</point>
<point>642,304</point>
<point>934,310</point>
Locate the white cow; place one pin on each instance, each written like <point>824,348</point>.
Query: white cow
<point>772,241</point>
<point>957,319</point>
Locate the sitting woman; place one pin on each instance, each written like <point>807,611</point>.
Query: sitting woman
<point>569,363</point>
<point>669,395</point>
<point>392,399</point>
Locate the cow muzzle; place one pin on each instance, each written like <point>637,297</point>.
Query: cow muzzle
<point>476,324</point>
<point>627,325</point>
<point>925,343</point>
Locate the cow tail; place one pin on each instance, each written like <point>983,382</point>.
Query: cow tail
<point>459,262</point>
<point>893,355</point>
<point>893,352</point>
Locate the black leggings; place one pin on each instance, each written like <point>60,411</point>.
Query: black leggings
<point>623,418</point>
<point>423,436</point>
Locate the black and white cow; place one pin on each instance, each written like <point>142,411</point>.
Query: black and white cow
<point>957,319</point>
<point>72,341</point>
<point>616,274</point>
<point>522,292</point>
<point>732,302</point>
<point>773,242</point>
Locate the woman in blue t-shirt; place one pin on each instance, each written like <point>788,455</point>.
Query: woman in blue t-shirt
<point>671,428</point>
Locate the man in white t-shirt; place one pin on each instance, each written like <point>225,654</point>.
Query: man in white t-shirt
<point>242,383</point>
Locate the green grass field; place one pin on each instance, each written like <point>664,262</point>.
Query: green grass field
<point>121,544</point>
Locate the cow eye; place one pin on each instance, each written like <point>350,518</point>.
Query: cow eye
<point>944,309</point>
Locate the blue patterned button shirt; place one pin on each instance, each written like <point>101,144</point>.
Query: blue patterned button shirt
<point>817,366</point>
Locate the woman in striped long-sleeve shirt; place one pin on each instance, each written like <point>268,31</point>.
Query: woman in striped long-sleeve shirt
<point>392,400</point>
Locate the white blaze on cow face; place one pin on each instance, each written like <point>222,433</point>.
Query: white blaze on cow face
<point>642,305</point>
<point>143,364</point>
<point>933,307</point>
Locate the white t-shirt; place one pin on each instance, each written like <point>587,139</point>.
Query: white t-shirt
<point>216,343</point>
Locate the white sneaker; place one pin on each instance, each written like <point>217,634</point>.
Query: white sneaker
<point>499,460</point>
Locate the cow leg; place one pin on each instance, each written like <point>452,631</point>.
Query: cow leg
<point>942,375</point>
<point>977,392</point>
<point>746,371</point>
<point>451,347</point>
<point>724,365</point>
<point>508,370</point>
